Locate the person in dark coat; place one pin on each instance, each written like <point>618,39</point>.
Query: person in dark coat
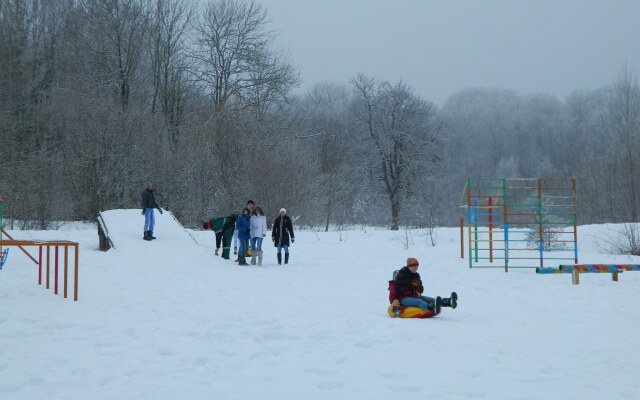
<point>282,230</point>
<point>148,204</point>
<point>243,225</point>
<point>407,288</point>
<point>227,234</point>
<point>215,224</point>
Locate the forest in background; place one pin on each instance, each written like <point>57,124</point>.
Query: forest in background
<point>99,97</point>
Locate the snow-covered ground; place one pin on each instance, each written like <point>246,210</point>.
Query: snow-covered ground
<point>168,320</point>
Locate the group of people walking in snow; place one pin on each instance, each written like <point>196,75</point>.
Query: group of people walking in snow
<point>247,231</point>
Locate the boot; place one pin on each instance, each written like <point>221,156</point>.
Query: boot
<point>253,258</point>
<point>438,306</point>
<point>146,235</point>
<point>286,258</point>
<point>396,308</point>
<point>279,259</point>
<point>216,253</point>
<point>151,235</point>
<point>260,258</point>
<point>451,301</point>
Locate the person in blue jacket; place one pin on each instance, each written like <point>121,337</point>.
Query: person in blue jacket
<point>243,225</point>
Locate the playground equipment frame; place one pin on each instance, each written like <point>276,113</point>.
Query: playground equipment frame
<point>502,214</point>
<point>56,244</point>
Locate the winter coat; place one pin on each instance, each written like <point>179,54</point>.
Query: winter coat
<point>408,284</point>
<point>148,199</point>
<point>217,224</point>
<point>243,225</point>
<point>258,226</point>
<point>230,223</point>
<point>282,229</point>
<point>392,292</point>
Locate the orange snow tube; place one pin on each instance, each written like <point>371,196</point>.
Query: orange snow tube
<point>411,312</point>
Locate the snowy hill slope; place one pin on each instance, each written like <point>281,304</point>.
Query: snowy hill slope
<point>166,319</point>
<point>125,228</point>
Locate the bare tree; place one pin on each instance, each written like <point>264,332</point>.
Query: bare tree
<point>401,135</point>
<point>236,61</point>
<point>115,38</point>
<point>624,126</point>
<point>169,64</point>
<point>326,108</point>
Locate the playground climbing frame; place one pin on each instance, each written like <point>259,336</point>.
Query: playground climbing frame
<point>520,222</point>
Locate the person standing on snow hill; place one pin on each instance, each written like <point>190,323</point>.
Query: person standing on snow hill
<point>243,226</point>
<point>258,233</point>
<point>282,229</point>
<point>148,204</point>
<point>408,289</point>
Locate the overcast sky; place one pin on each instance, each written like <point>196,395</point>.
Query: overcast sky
<point>440,47</point>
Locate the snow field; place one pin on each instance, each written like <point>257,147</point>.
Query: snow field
<point>166,319</point>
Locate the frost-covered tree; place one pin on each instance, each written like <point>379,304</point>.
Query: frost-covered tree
<point>399,136</point>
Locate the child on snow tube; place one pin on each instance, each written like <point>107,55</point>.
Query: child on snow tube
<point>405,295</point>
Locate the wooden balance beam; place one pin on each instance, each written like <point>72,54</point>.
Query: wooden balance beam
<point>575,270</point>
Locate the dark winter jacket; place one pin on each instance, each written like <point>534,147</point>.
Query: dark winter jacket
<point>282,229</point>
<point>243,225</point>
<point>148,199</point>
<point>217,224</point>
<point>230,223</point>
<point>408,284</point>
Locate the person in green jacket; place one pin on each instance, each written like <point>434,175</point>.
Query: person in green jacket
<point>215,224</point>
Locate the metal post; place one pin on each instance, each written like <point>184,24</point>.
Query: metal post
<point>55,272</point>
<point>75,283</point>
<point>575,221</point>
<point>461,238</point>
<point>506,226</point>
<point>475,227</point>
<point>66,259</point>
<point>48,258</point>
<point>506,248</point>
<point>490,231</point>
<point>540,222</point>
<point>39,265</point>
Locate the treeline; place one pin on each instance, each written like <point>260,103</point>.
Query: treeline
<point>98,97</point>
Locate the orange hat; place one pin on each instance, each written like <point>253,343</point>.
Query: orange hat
<point>412,262</point>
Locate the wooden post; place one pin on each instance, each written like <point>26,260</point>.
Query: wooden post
<point>576,277</point>
<point>614,277</point>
